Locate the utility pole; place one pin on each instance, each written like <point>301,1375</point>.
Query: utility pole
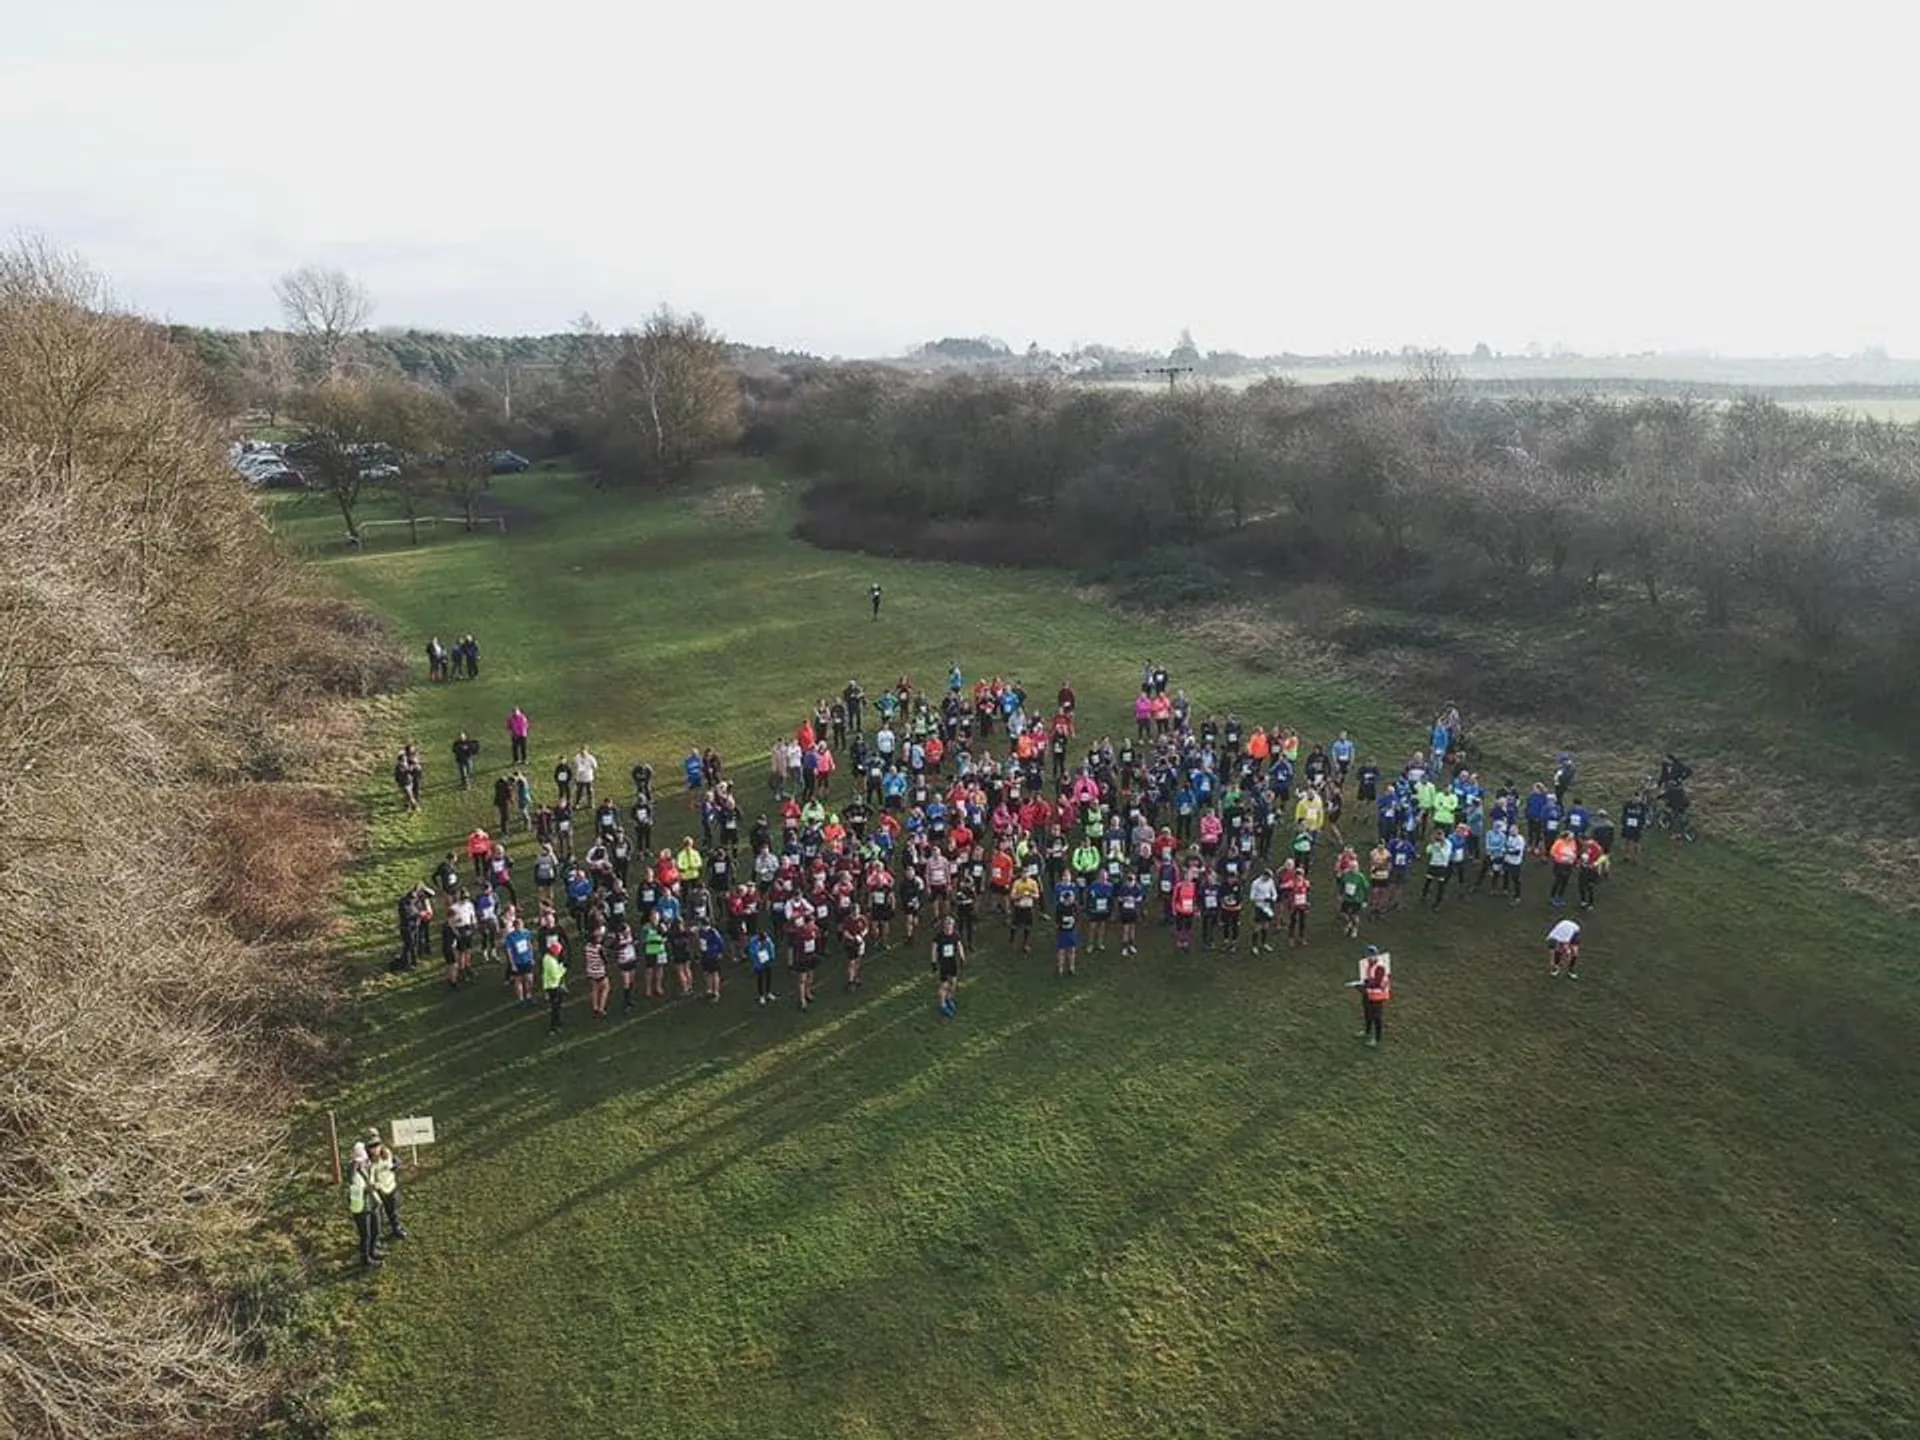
<point>506,389</point>
<point>1172,372</point>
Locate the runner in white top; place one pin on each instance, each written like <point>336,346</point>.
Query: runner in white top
<point>1563,944</point>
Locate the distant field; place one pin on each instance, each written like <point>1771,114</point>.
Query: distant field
<point>1854,385</point>
<point>1902,410</point>
<point>1172,1198</point>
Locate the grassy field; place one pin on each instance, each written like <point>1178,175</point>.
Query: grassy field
<point>1172,1197</point>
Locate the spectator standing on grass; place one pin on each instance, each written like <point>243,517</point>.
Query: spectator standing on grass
<point>360,1205</point>
<point>465,747</point>
<point>503,801</point>
<point>384,1172</point>
<point>563,778</point>
<point>406,777</point>
<point>518,725</point>
<point>586,768</point>
<point>436,659</point>
<point>1564,854</point>
<point>873,595</point>
<point>470,647</point>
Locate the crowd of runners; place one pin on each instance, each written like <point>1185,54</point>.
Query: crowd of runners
<point>940,819</point>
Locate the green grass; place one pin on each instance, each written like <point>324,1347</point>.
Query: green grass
<point>1174,1197</point>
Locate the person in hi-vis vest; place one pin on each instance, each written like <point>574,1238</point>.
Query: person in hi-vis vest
<point>383,1172</point>
<point>360,1205</point>
<point>1376,988</point>
<point>553,980</point>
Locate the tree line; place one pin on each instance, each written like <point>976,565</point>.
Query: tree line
<point>644,405</point>
<point>1743,510</point>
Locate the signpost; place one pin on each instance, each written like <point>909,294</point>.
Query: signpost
<point>412,1133</point>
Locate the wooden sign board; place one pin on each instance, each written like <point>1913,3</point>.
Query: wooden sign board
<point>412,1132</point>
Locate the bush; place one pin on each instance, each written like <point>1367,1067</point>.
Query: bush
<point>1164,580</point>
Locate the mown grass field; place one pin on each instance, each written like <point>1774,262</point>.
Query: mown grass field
<point>1172,1197</point>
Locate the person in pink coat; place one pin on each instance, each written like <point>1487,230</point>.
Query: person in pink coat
<point>517,727</point>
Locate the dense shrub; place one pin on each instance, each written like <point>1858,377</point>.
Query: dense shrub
<point>156,648</point>
<point>1737,512</point>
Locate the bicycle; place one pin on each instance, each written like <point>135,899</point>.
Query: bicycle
<point>1677,823</point>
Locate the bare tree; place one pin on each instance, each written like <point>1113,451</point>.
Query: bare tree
<point>684,394</point>
<point>272,371</point>
<point>350,427</point>
<point>324,309</point>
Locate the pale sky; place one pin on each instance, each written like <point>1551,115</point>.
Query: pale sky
<point>853,177</point>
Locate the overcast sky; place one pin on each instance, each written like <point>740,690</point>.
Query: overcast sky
<point>853,177</point>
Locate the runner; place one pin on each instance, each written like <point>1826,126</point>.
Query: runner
<point>804,938</point>
<point>1100,902</point>
<point>1563,949</point>
<point>1376,988</point>
<point>853,938</point>
<point>1298,901</point>
<point>593,958</point>
<point>1066,923</point>
<point>1185,903</point>
<point>1264,894</point>
<point>1128,899</point>
<point>626,957</point>
<point>520,961</point>
<point>713,950</point>
<point>654,948</point>
<point>949,954</point>
<point>1355,888</point>
<point>760,957</point>
<point>1026,900</point>
<point>1230,908</point>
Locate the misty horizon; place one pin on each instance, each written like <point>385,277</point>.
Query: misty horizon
<point>855,180</point>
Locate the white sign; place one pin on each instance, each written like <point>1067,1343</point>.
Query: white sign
<point>1367,963</point>
<point>416,1131</point>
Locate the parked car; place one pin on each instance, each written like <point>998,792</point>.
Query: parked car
<point>505,462</point>
<point>283,477</point>
<point>380,472</point>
